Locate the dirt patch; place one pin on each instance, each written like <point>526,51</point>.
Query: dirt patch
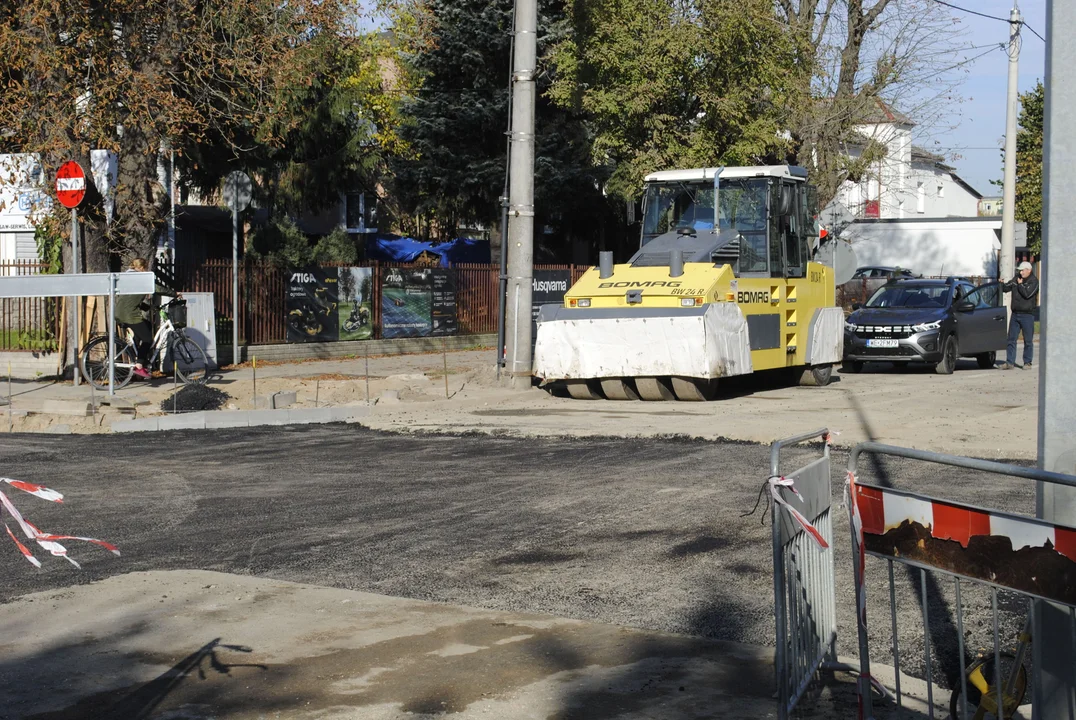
<point>194,398</point>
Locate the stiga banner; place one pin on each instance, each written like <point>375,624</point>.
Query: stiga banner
<point>356,289</point>
<point>312,305</point>
<point>406,302</point>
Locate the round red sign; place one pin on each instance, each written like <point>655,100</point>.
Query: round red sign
<point>70,184</point>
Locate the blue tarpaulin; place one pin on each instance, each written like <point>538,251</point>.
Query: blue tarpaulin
<point>393,249</point>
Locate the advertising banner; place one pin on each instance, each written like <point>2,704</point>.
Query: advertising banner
<point>356,289</point>
<point>406,302</point>
<point>443,305</point>
<point>312,305</point>
<point>547,288</point>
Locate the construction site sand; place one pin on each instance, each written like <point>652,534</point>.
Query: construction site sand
<point>986,413</point>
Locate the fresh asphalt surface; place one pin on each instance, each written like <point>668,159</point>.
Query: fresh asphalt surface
<point>639,532</point>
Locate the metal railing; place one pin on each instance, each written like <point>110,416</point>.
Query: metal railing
<point>919,532</point>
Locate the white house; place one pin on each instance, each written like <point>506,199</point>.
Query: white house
<point>23,197</point>
<point>20,196</point>
<point>906,181</point>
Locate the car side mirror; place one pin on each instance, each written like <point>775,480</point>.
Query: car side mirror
<point>856,306</point>
<point>965,306</point>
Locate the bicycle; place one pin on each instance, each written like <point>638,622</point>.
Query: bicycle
<point>982,685</point>
<point>188,360</point>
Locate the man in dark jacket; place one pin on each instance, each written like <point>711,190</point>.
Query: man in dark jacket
<point>1025,299</point>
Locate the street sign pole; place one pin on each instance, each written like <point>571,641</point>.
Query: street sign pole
<point>78,300</point>
<point>112,334</point>
<point>235,269</point>
<point>70,191</point>
<point>238,191</point>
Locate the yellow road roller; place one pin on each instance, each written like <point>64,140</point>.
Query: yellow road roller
<point>726,282</point>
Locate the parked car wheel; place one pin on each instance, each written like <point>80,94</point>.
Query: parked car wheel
<point>949,356</point>
<point>852,366</point>
<point>987,360</point>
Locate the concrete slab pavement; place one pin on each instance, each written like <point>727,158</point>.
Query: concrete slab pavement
<point>196,644</point>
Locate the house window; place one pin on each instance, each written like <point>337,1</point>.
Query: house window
<point>941,190</point>
<point>920,199</point>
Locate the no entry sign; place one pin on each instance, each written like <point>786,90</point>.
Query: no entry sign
<point>70,184</point>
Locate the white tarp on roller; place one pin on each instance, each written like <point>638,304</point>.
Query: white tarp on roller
<point>711,344</point>
<point>826,336</point>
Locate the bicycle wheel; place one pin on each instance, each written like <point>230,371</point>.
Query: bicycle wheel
<point>93,362</point>
<point>188,360</point>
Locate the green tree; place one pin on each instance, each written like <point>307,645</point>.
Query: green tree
<point>457,53</point>
<point>135,76</point>
<point>668,84</point>
<point>331,132</point>
<point>1029,165</point>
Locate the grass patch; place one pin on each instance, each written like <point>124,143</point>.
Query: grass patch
<point>11,339</point>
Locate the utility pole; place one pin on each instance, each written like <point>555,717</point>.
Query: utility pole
<point>1054,691</point>
<point>521,198</point>
<point>1008,202</point>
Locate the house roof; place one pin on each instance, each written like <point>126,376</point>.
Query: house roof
<point>882,113</point>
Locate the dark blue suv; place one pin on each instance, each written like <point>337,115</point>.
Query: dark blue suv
<point>929,321</point>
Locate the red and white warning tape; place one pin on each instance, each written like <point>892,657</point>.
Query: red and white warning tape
<point>780,481</point>
<point>47,541</point>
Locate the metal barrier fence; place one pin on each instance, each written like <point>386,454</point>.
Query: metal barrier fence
<point>990,549</point>
<point>804,590</point>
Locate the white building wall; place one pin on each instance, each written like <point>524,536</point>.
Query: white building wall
<point>894,183</point>
<point>941,248</point>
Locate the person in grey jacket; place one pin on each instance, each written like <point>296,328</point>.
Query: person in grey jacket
<point>1025,299</point>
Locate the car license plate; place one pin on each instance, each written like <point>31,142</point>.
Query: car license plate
<point>882,343</point>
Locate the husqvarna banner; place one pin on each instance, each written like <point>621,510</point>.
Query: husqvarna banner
<point>547,288</point>
<point>313,305</point>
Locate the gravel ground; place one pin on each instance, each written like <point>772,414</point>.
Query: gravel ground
<point>638,532</point>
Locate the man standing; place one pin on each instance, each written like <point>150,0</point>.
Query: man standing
<point>1025,298</point>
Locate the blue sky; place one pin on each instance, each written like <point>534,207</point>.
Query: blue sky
<point>980,119</point>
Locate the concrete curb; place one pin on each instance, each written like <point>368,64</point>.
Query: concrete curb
<point>241,418</point>
<point>356,348</point>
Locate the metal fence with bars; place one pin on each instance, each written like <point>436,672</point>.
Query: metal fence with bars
<point>983,552</point>
<point>29,323</point>
<point>262,295</point>
<point>36,323</point>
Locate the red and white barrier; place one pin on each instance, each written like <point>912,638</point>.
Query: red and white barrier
<point>881,511</point>
<point>47,541</point>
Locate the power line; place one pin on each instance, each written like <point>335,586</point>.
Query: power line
<point>989,17</point>
<point>973,12</point>
<point>1034,32</point>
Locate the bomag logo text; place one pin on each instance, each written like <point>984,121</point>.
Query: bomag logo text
<point>753,296</point>
<point>638,284</point>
